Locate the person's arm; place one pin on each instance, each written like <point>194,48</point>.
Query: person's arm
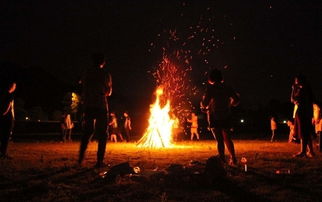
<point>292,95</point>
<point>109,86</point>
<point>204,104</point>
<point>235,99</point>
<point>130,124</point>
<point>13,109</point>
<point>8,109</point>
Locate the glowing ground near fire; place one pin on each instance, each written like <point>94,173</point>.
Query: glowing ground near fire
<point>46,172</point>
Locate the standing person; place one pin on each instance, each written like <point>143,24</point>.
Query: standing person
<point>217,101</point>
<point>67,126</point>
<point>175,128</point>
<point>302,98</point>
<point>97,87</point>
<point>6,116</point>
<point>114,129</point>
<point>127,126</point>
<point>194,126</point>
<point>317,122</point>
<point>273,128</point>
<point>291,136</point>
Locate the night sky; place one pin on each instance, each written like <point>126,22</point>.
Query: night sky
<point>260,45</point>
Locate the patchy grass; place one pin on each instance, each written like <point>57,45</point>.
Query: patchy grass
<point>47,171</point>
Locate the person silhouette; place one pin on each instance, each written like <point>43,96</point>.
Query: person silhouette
<point>66,125</point>
<point>194,126</point>
<point>273,128</point>
<point>97,87</point>
<point>217,102</point>
<point>127,126</point>
<point>6,116</point>
<point>302,98</point>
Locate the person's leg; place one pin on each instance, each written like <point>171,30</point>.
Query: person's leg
<point>113,138</point>
<point>302,153</point>
<point>290,137</point>
<point>310,146</point>
<point>4,142</point>
<point>88,127</point>
<point>273,134</point>
<point>217,132</point>
<point>230,145</point>
<point>191,132</point>
<point>66,131</point>
<point>128,135</point>
<point>102,133</point>
<point>121,136</point>
<point>304,142</point>
<point>63,135</point>
<point>69,135</point>
<point>5,135</point>
<point>197,134</point>
<point>320,141</point>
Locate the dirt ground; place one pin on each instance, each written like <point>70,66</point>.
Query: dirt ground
<point>47,171</point>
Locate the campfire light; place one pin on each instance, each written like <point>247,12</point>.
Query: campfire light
<point>159,132</point>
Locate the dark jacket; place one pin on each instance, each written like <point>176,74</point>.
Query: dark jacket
<point>218,100</point>
<point>97,86</point>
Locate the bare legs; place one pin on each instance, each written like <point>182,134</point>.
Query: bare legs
<point>194,131</point>
<point>306,143</point>
<point>223,138</point>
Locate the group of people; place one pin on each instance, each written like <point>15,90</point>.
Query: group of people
<point>303,99</point>
<point>217,103</point>
<point>306,121</point>
<point>116,132</point>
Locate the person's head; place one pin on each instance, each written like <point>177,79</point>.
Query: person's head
<point>215,76</point>
<point>126,114</point>
<point>12,87</point>
<point>299,79</point>
<point>8,86</point>
<point>98,60</point>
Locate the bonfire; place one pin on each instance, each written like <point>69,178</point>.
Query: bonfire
<point>159,131</point>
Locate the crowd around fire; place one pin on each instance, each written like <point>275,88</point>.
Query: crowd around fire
<point>102,124</point>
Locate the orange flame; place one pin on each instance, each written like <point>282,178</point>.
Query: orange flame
<point>159,132</point>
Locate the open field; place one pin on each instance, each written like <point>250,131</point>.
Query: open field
<point>47,171</point>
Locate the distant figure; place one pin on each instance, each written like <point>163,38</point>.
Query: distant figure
<point>291,136</point>
<point>302,98</point>
<point>176,128</point>
<point>7,116</point>
<point>317,122</point>
<point>194,126</point>
<point>67,125</point>
<point>217,101</point>
<point>97,87</point>
<point>114,128</point>
<point>273,128</point>
<point>127,126</point>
